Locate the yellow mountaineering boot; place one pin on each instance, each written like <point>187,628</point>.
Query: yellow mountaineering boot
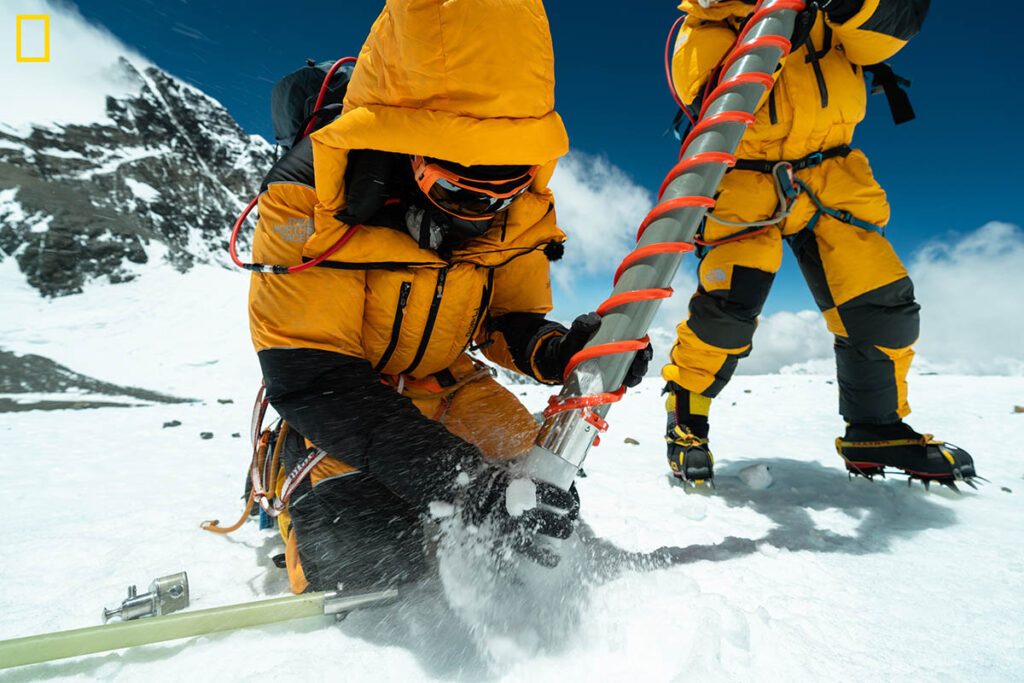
<point>868,449</point>
<point>689,455</point>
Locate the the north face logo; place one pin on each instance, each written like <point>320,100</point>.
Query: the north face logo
<point>715,275</point>
<point>295,230</point>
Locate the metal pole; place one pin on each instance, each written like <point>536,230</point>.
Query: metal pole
<point>82,641</point>
<point>565,438</point>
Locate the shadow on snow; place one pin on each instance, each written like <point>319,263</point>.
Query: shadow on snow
<point>888,511</point>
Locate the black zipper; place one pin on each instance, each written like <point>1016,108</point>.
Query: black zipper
<point>813,58</point>
<point>773,114</point>
<point>396,327</point>
<point>485,302</point>
<point>431,317</point>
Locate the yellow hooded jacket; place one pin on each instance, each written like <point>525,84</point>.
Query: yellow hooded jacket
<point>788,125</point>
<point>467,81</point>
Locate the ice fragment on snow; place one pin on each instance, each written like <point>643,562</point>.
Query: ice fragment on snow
<point>439,509</point>
<point>756,476</point>
<point>520,496</point>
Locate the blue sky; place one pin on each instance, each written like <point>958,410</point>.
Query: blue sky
<point>952,169</point>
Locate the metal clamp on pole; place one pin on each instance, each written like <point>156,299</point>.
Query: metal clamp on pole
<point>166,594</point>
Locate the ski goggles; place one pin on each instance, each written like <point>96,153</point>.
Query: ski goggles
<point>471,199</point>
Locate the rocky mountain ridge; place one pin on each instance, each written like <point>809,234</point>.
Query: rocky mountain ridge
<point>164,177</point>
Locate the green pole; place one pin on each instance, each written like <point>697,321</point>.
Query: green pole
<point>50,646</point>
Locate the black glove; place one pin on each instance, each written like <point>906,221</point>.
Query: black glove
<point>554,515</point>
<point>371,178</point>
<point>555,351</point>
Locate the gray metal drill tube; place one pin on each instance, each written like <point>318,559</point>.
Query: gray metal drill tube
<point>565,438</point>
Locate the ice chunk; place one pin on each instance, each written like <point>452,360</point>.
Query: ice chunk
<point>440,509</point>
<point>756,476</point>
<point>520,496</point>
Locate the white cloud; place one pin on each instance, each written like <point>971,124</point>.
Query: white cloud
<point>971,290</point>
<point>71,87</point>
<point>599,207</point>
<point>784,339</point>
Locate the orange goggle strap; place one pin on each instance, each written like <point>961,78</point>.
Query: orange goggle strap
<point>427,174</point>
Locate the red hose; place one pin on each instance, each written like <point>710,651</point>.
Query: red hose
<point>284,270</point>
<point>234,231</point>
<point>668,71</point>
<point>323,90</point>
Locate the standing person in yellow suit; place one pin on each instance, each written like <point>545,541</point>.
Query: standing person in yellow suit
<point>437,169</point>
<point>832,215</point>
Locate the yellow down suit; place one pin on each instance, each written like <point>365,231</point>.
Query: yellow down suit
<point>469,82</point>
<point>857,280</point>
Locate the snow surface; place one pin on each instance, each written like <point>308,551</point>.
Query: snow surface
<point>812,578</point>
<point>141,190</point>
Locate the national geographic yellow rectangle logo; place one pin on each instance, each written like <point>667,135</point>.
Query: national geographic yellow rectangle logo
<point>36,52</point>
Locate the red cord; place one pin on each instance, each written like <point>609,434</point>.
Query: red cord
<point>324,256</point>
<point>713,90</point>
<point>668,71</point>
<point>734,238</point>
<point>323,90</point>
<point>282,270</point>
<point>234,231</point>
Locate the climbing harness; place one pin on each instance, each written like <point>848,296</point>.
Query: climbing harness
<point>787,188</point>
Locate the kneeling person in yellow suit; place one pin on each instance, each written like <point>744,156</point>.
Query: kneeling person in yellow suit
<point>441,157</point>
<point>834,227</point>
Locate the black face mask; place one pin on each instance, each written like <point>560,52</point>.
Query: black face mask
<point>435,229</point>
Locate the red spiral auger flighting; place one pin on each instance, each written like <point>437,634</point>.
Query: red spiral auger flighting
<point>705,123</point>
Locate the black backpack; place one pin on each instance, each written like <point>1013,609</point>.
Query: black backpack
<point>293,102</point>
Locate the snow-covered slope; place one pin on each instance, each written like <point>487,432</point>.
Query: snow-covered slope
<point>814,577</point>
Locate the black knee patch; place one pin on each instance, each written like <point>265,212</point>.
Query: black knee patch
<point>888,316</point>
<point>727,318</point>
<point>352,531</point>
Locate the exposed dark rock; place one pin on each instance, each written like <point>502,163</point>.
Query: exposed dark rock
<point>79,202</point>
<point>36,374</point>
<point>8,405</point>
